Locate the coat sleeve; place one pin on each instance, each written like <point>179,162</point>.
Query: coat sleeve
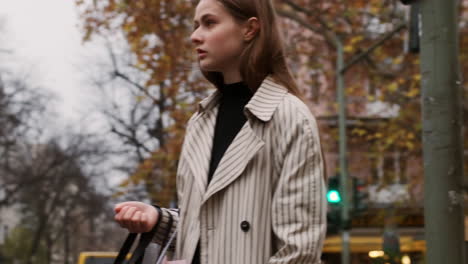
<point>299,202</point>
<point>166,226</point>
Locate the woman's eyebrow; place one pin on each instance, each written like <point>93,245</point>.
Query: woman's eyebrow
<point>203,17</point>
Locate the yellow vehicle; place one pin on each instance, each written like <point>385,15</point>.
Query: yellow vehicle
<point>365,249</point>
<point>362,250</point>
<point>98,257</point>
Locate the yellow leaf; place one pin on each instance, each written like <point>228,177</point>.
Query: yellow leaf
<point>409,145</point>
<point>348,48</point>
<point>417,77</point>
<point>413,92</point>
<point>359,132</point>
<point>389,140</point>
<point>356,39</point>
<point>393,87</point>
<point>398,60</point>
<point>140,98</point>
<point>118,194</point>
<point>374,10</point>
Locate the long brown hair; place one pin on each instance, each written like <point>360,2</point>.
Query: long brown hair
<point>264,54</point>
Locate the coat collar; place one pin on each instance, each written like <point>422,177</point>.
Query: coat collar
<point>262,105</point>
<point>244,146</point>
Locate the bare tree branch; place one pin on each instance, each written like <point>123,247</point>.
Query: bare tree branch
<point>325,31</point>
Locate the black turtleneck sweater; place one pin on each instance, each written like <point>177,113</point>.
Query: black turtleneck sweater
<point>229,121</point>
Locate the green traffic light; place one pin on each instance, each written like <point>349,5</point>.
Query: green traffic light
<point>333,196</point>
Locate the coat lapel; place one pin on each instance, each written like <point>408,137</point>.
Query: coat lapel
<point>244,146</point>
<point>200,141</point>
<point>242,149</point>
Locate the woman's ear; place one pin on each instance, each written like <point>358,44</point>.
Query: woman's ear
<point>251,26</point>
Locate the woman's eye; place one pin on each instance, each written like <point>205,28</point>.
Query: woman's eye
<point>209,22</point>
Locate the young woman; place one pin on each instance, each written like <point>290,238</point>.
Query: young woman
<point>250,179</point>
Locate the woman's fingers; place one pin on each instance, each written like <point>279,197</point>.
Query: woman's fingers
<point>127,218</point>
<point>137,217</point>
<point>135,223</point>
<point>144,223</point>
<point>118,207</point>
<point>119,216</point>
<point>123,216</point>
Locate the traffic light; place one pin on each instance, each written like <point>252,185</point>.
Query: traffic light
<point>414,28</point>
<point>334,210</point>
<point>360,195</point>
<point>333,193</point>
<point>414,25</point>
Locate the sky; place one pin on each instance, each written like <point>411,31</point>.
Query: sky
<point>45,39</point>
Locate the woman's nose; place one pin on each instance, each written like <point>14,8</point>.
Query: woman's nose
<point>195,37</point>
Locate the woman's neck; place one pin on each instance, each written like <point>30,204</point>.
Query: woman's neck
<point>231,76</point>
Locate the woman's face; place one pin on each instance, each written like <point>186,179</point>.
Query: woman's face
<point>218,35</point>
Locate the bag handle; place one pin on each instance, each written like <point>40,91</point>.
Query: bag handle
<point>137,255</point>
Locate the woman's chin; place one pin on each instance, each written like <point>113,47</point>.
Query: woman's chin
<point>206,66</point>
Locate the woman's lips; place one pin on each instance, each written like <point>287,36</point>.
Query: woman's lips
<point>201,53</point>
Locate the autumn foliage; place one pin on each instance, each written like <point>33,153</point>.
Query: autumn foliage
<point>383,87</point>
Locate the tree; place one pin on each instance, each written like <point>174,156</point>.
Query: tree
<point>62,195</point>
<point>52,176</point>
<point>17,243</point>
<point>20,108</point>
<point>387,76</point>
<point>162,100</point>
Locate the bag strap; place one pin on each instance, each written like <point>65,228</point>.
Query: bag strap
<point>164,250</point>
<point>125,248</point>
<point>145,240</point>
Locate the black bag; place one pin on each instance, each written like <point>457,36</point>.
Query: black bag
<point>143,243</point>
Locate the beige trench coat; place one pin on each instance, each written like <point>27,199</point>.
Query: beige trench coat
<point>266,202</point>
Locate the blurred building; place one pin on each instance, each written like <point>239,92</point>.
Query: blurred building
<point>392,177</point>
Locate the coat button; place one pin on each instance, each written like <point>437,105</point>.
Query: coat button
<point>245,226</point>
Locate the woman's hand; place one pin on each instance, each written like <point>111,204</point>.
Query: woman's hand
<point>137,217</point>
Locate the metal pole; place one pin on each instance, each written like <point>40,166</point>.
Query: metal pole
<point>345,253</point>
<point>341,98</point>
<point>442,133</point>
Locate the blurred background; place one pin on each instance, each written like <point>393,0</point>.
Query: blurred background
<point>94,96</point>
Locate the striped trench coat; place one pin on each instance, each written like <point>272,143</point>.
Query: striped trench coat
<point>266,201</point>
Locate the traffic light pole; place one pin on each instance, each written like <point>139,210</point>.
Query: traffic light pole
<point>341,98</point>
<point>345,254</point>
<point>442,133</point>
